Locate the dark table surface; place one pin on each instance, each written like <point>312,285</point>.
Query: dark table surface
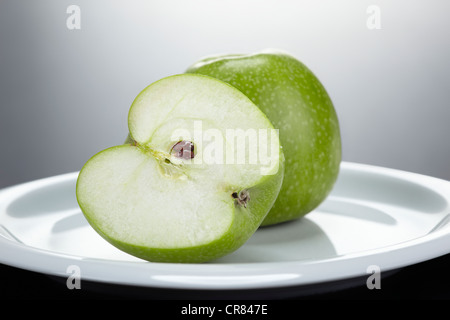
<point>429,280</point>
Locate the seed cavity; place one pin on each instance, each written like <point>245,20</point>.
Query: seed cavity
<point>183,149</point>
<point>242,198</point>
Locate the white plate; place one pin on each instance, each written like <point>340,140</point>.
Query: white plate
<point>374,216</point>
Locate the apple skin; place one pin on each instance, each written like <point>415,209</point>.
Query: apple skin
<point>298,105</point>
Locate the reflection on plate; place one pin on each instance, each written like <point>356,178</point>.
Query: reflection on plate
<point>374,216</point>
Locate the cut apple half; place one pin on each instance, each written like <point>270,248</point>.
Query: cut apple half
<point>201,169</point>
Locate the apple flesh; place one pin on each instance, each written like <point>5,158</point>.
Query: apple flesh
<point>298,105</point>
<point>167,195</point>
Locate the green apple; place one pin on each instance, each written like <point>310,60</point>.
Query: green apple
<point>298,105</point>
<point>201,170</point>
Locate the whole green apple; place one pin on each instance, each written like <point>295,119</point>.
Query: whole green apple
<point>180,190</point>
<point>298,105</point>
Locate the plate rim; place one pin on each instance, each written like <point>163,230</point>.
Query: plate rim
<point>228,276</point>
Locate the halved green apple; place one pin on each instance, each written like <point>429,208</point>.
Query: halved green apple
<point>202,168</point>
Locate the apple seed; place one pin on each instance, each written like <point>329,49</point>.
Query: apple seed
<point>242,198</point>
<point>183,149</point>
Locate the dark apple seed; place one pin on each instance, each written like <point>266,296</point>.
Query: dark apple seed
<point>242,198</point>
<point>183,149</point>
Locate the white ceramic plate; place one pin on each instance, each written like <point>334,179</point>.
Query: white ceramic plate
<point>374,216</point>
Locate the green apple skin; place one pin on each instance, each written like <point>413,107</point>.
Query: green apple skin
<point>298,105</point>
<point>99,175</point>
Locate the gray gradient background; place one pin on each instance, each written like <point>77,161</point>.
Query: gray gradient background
<point>65,94</point>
